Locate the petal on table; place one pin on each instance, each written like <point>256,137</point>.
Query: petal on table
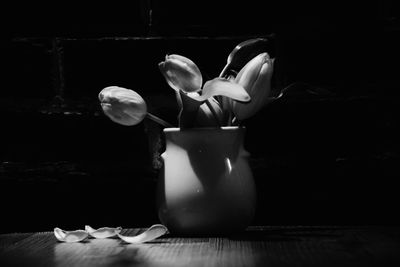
<point>103,232</point>
<point>70,236</point>
<point>150,234</point>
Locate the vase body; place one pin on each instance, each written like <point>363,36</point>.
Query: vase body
<point>206,186</point>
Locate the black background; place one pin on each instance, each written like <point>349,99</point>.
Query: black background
<point>328,153</point>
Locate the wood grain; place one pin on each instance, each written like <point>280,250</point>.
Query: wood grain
<point>258,246</point>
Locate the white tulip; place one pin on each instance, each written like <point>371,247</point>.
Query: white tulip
<point>123,106</point>
<point>255,77</point>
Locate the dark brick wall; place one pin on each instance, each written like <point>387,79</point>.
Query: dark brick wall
<point>328,153</point>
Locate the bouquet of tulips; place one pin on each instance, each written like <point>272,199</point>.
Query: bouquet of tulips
<point>239,92</point>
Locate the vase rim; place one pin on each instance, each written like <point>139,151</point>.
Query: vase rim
<point>223,128</point>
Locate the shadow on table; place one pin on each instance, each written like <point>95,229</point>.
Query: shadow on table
<point>288,234</point>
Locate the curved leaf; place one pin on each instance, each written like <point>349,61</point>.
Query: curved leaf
<point>243,53</point>
<point>223,87</point>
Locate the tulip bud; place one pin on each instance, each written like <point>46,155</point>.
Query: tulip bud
<point>181,73</point>
<point>255,77</point>
<point>122,105</point>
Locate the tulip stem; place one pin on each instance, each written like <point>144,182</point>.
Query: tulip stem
<point>223,72</point>
<point>159,120</point>
<point>213,112</point>
<point>234,121</point>
<point>230,119</point>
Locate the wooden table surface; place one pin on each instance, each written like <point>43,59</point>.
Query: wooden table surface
<point>258,246</point>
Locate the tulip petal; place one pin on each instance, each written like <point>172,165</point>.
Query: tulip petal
<point>181,73</point>
<point>251,71</point>
<point>103,232</point>
<point>118,115</point>
<point>185,60</point>
<point>259,92</point>
<point>70,236</point>
<point>167,75</point>
<point>150,234</point>
<point>123,106</point>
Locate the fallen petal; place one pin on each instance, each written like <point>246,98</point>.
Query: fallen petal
<point>150,234</point>
<point>103,232</point>
<point>70,236</point>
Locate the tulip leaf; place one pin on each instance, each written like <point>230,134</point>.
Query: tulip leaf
<point>188,113</point>
<point>243,53</point>
<point>222,87</point>
<point>195,113</point>
<point>210,114</point>
<point>303,90</point>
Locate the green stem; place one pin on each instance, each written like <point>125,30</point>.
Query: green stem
<point>159,120</point>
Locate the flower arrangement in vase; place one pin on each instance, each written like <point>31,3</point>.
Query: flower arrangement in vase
<point>206,185</point>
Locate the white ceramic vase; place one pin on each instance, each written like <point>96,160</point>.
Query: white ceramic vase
<point>206,185</point>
